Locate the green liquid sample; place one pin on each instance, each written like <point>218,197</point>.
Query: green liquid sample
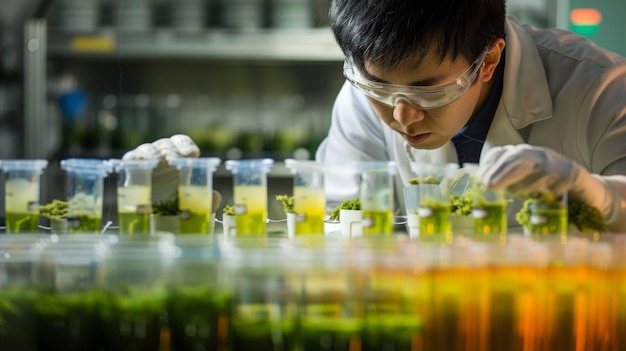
<point>489,219</point>
<point>434,219</point>
<point>22,222</point>
<point>17,321</point>
<point>198,318</point>
<point>548,221</point>
<point>132,322</point>
<point>311,225</point>
<point>68,321</point>
<point>254,330</point>
<point>377,222</point>
<point>251,224</point>
<point>195,223</point>
<point>327,333</point>
<point>394,332</point>
<point>133,223</point>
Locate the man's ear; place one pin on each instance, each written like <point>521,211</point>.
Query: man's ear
<point>491,60</point>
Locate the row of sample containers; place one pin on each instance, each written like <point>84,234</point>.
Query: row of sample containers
<point>187,15</point>
<point>199,292</point>
<point>429,199</point>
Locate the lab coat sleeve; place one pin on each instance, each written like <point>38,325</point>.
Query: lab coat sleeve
<point>606,134</point>
<point>356,134</point>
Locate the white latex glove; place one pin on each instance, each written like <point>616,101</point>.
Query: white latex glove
<point>525,169</point>
<point>164,176</point>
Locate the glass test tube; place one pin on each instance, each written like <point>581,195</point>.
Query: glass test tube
<point>134,188</point>
<point>376,194</point>
<point>195,193</point>
<point>308,195</point>
<point>250,194</point>
<point>21,188</point>
<point>85,193</point>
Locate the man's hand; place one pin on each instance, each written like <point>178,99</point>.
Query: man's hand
<point>524,169</point>
<point>165,149</point>
<point>165,177</point>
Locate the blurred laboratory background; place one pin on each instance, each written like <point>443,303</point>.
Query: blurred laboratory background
<point>243,78</point>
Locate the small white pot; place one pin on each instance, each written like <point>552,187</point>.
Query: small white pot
<point>58,226</point>
<point>229,226</point>
<point>291,225</point>
<point>413,225</point>
<point>351,223</point>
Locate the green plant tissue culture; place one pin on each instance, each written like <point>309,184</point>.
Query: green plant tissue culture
<point>57,209</point>
<point>353,204</point>
<point>288,203</point>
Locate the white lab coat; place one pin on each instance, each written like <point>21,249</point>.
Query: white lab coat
<point>560,91</point>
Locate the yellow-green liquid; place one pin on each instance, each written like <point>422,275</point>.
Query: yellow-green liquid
<point>310,209</point>
<point>548,221</point>
<point>22,222</point>
<point>491,221</point>
<point>437,222</point>
<point>311,225</point>
<point>196,223</point>
<point>380,222</point>
<point>84,224</point>
<point>250,209</point>
<point>251,224</point>
<point>133,223</point>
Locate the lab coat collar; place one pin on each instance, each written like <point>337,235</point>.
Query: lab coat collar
<point>525,90</point>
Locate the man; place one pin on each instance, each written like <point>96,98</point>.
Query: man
<point>459,81</point>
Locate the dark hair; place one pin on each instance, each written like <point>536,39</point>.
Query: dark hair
<point>387,32</point>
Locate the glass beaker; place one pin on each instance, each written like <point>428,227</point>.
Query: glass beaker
<point>430,190</point>
<point>376,194</point>
<point>21,188</point>
<point>250,194</point>
<point>195,193</point>
<point>488,207</point>
<point>134,188</point>
<point>308,195</point>
<point>548,214</point>
<point>85,193</point>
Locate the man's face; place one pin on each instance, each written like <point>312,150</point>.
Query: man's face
<point>430,128</point>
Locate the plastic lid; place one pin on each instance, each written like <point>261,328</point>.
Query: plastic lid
<point>23,165</point>
<point>389,166</point>
<point>147,164</point>
<point>196,162</point>
<point>304,165</point>
<point>252,165</point>
<point>87,166</point>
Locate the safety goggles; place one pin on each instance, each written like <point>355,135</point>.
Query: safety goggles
<point>420,97</point>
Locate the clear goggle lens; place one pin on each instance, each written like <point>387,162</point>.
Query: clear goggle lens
<point>420,97</point>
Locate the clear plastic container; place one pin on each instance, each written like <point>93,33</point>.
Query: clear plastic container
<point>198,302</point>
<point>68,300</point>
<point>429,198</point>
<point>21,189</point>
<point>376,195</point>
<point>195,194</point>
<point>135,284</point>
<point>18,323</point>
<point>250,194</point>
<point>85,178</point>
<point>263,291</point>
<point>308,195</point>
<point>134,189</point>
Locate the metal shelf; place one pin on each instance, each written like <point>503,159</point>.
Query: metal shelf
<point>277,45</point>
